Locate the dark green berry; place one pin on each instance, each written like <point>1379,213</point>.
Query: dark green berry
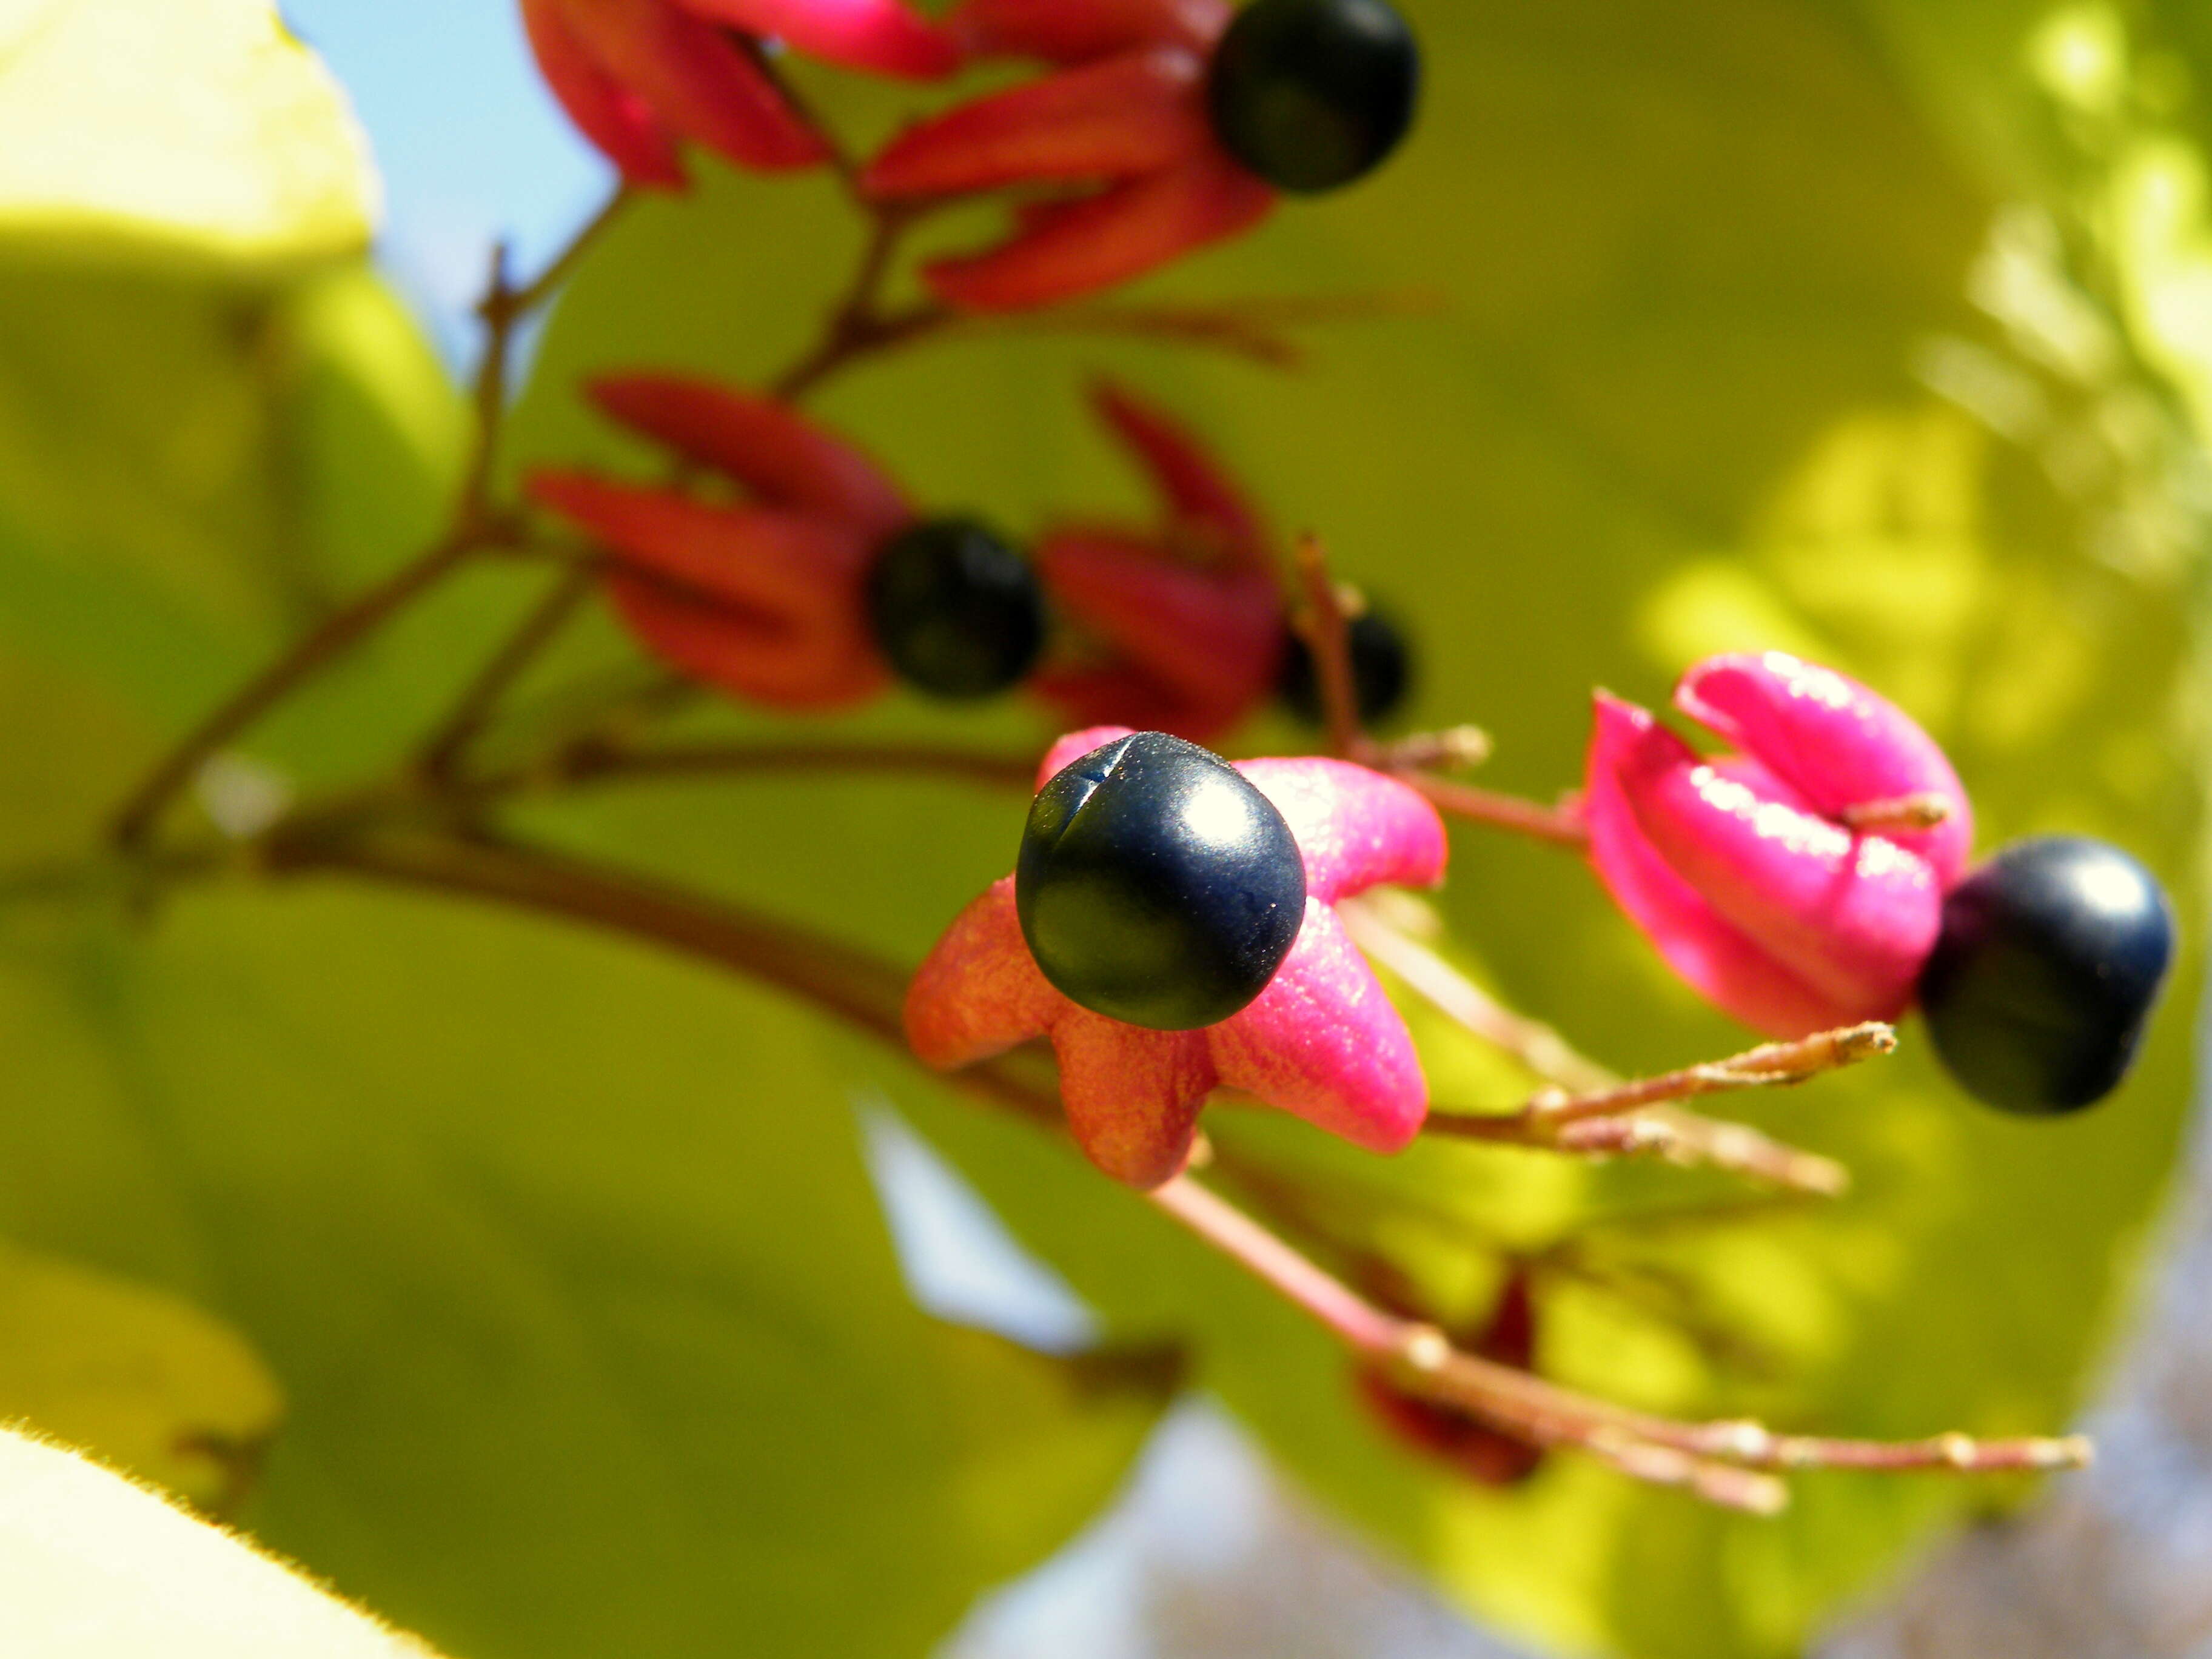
<point>1382,671</point>
<point>956,611</point>
<point>1156,885</point>
<point>2050,959</point>
<point>1314,93</point>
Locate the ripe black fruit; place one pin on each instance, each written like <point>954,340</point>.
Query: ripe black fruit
<point>1312,94</point>
<point>958,612</point>
<point>1157,886</point>
<point>2050,958</point>
<point>1382,671</point>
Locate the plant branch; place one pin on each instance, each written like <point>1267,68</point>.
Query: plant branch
<point>1562,826</point>
<point>471,525</point>
<point>1322,622</point>
<point>1662,1132</point>
<point>1531,1041</point>
<point>1773,1065</point>
<point>590,762</point>
<point>1728,1462</point>
<point>450,738</point>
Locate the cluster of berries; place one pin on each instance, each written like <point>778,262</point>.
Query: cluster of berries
<point>1169,927</point>
<point>823,583</point>
<point>1162,125</point>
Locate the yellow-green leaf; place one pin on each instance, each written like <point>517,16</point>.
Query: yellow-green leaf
<point>140,1379</point>
<point>190,130</point>
<point>92,1567</point>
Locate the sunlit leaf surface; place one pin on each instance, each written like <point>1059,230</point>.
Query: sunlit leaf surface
<point>92,1567</point>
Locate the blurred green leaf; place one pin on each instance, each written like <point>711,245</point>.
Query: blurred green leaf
<point>193,134</point>
<point>139,1379</point>
<point>92,1567</point>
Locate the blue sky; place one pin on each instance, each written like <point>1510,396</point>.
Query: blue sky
<point>471,146</point>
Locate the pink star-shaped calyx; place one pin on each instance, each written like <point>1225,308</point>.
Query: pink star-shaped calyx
<point>1786,882</point>
<point>1321,1042</point>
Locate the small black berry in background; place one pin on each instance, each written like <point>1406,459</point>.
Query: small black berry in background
<point>1156,886</point>
<point>1382,671</point>
<point>2050,958</point>
<point>1313,93</point>
<point>957,611</point>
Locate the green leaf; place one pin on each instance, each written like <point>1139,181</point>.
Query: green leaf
<point>184,134</point>
<point>1716,367</point>
<point>92,1567</point>
<point>141,1380</point>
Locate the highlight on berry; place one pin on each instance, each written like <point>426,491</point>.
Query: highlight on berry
<point>1156,885</point>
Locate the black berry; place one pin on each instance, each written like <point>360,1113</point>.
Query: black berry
<point>1382,671</point>
<point>1157,886</point>
<point>957,611</point>
<point>1313,93</point>
<point>2050,958</point>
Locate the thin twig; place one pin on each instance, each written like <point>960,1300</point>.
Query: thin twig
<point>1531,1041</point>
<point>1454,746</point>
<point>1322,622</point>
<point>1729,1463</point>
<point>1253,330</point>
<point>1562,826</point>
<point>1773,1065</point>
<point>1665,1133</point>
<point>589,763</point>
<point>471,526</point>
<point>1923,810</point>
<point>450,740</point>
<point>1725,1461</point>
<point>858,327</point>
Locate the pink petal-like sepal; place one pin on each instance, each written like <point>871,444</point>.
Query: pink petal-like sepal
<point>1077,31</point>
<point>638,76</point>
<point>776,452</point>
<point>1071,249</point>
<point>1744,870</point>
<point>697,82</point>
<point>621,125</point>
<point>1833,741</point>
<point>1183,622</point>
<point>883,35</point>
<point>1201,500</point>
<point>1120,135</point>
<point>1115,118</point>
<point>763,596</point>
<point>1321,1042</point>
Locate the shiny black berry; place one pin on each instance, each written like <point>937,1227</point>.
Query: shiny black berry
<point>958,612</point>
<point>1382,671</point>
<point>2050,958</point>
<point>1156,886</point>
<point>1313,93</point>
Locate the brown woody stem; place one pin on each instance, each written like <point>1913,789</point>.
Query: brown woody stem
<point>589,763</point>
<point>472,525</point>
<point>1323,623</point>
<point>480,699</point>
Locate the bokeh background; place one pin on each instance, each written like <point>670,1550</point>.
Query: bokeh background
<point>1878,332</point>
<point>1210,1554</point>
